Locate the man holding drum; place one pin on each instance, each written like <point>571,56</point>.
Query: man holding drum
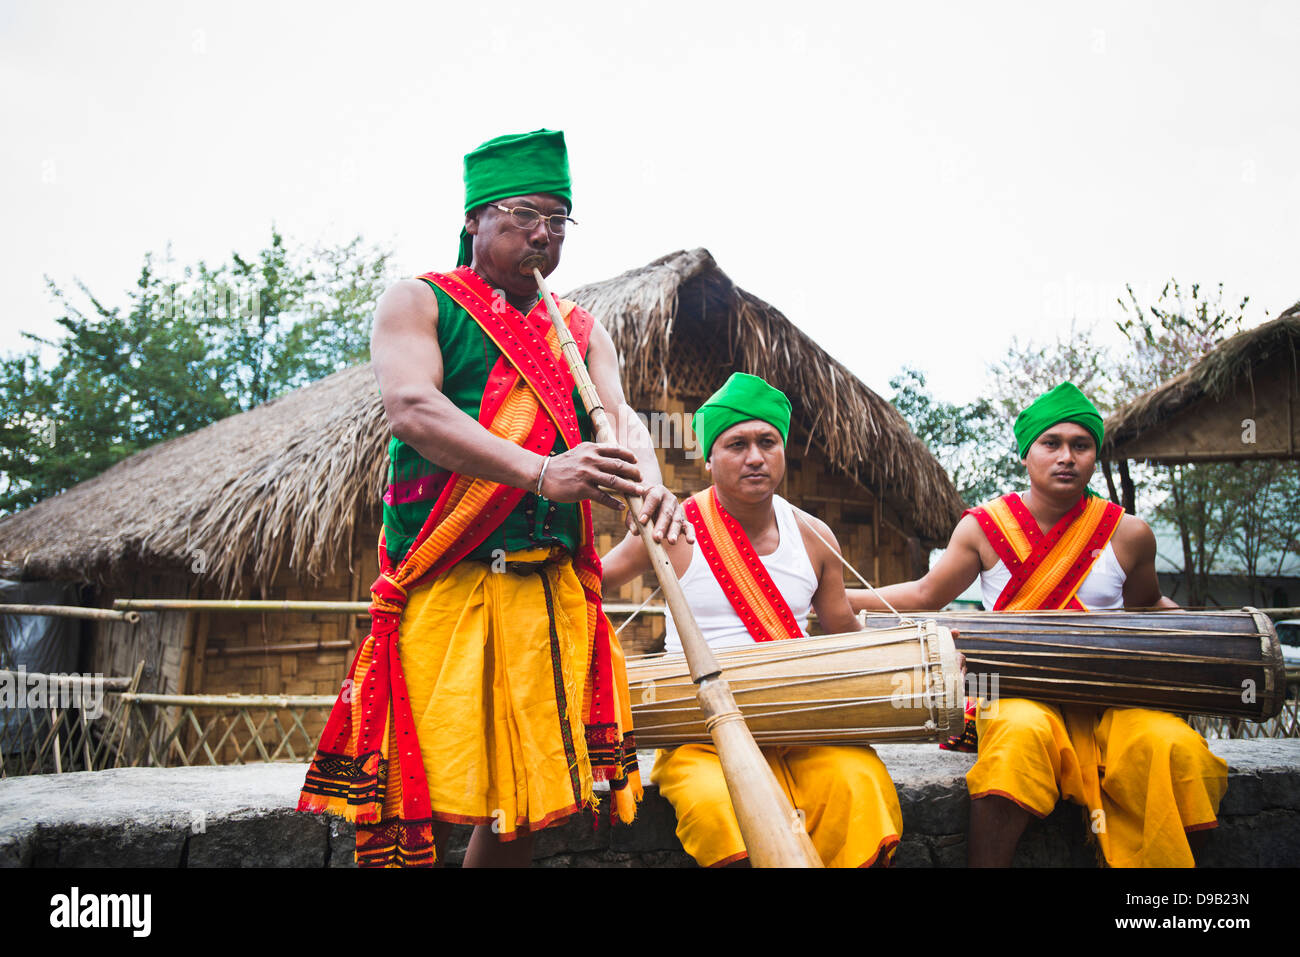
<point>1151,785</point>
<point>508,697</point>
<point>752,574</point>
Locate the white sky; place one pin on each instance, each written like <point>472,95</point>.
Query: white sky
<point>908,184</point>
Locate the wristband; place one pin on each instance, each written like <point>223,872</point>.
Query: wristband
<point>546,460</point>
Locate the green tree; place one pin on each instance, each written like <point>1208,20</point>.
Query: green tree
<point>1262,504</point>
<point>123,379</point>
<point>1031,368</point>
<point>177,356</point>
<point>1202,501</point>
<point>971,441</point>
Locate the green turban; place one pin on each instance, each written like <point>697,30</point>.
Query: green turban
<point>742,399</point>
<point>515,165</point>
<point>1065,403</point>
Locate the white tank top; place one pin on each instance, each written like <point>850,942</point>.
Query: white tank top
<point>791,572</point>
<point>1101,588</point>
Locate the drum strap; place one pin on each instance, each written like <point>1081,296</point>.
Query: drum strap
<point>739,571</point>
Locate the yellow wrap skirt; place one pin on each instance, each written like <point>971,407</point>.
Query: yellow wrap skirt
<point>1145,777</point>
<point>495,665</point>
<point>845,794</point>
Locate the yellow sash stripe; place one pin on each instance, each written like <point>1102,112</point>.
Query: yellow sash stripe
<point>1005,519</point>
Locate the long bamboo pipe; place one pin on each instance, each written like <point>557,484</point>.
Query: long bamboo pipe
<point>773,832</point>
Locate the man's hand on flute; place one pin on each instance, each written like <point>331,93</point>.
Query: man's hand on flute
<point>594,471</point>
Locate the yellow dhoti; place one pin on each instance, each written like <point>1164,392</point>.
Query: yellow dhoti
<point>845,795</point>
<point>1146,777</point>
<point>495,666</point>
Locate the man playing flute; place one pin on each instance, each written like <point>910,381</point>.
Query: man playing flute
<point>753,573</point>
<point>1149,782</point>
<point>491,690</point>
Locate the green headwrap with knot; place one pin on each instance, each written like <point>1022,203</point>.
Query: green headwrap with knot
<point>1065,403</point>
<point>743,397</point>
<point>515,165</point>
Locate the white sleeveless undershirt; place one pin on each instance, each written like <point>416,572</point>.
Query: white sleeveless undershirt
<point>1102,587</point>
<point>791,572</point>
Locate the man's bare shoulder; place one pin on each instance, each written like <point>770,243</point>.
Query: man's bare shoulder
<point>822,528</point>
<point>1130,526</point>
<point>823,548</point>
<point>406,302</point>
<point>969,539</point>
<point>967,534</point>
<point>599,338</point>
<point>1133,541</point>
<point>816,533</point>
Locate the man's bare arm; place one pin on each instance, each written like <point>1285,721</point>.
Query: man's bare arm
<point>830,600</point>
<point>629,560</point>
<point>408,366</point>
<point>1135,547</point>
<point>951,575</point>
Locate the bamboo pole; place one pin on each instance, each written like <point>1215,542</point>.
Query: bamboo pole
<point>231,700</point>
<point>298,607</point>
<point>242,605</point>
<point>280,648</point>
<point>1276,613</point>
<point>72,611</point>
<point>773,833</point>
<point>126,714</point>
<point>58,742</point>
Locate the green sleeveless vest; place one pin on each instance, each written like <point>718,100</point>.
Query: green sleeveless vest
<point>414,483</point>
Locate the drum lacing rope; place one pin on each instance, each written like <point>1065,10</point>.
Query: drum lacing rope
<point>628,620</point>
<point>885,601</point>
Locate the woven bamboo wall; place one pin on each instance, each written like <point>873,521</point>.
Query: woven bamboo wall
<point>231,662</point>
<point>159,640</point>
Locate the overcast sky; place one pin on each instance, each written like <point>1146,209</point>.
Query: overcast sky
<point>908,183</point>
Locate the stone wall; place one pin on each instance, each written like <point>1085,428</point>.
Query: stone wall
<point>244,817</point>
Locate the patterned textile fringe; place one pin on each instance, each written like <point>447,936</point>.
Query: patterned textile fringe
<point>968,740</point>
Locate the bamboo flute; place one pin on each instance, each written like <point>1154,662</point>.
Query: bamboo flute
<point>773,831</point>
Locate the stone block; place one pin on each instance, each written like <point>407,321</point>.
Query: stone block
<point>1245,795</point>
<point>280,838</point>
<point>245,816</point>
<point>113,845</point>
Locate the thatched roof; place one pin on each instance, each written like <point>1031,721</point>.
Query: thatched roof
<point>284,484</point>
<point>279,484</point>
<point>685,298</point>
<point>1213,377</point>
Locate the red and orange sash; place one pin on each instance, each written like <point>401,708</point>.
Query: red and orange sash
<point>1046,568</point>
<point>359,771</point>
<point>738,569</point>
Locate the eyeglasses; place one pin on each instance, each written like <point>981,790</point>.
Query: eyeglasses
<point>526,218</point>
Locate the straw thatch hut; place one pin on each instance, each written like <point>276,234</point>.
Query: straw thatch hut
<point>1206,413</point>
<point>282,501</point>
<point>1239,402</point>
